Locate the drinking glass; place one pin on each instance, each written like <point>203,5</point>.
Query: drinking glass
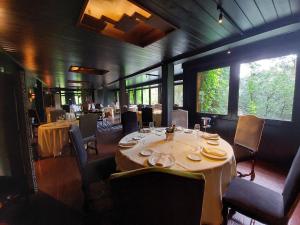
<point>197,129</point>
<point>151,125</point>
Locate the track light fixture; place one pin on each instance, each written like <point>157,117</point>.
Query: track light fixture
<point>221,14</point>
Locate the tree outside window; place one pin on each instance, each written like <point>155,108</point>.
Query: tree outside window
<point>213,90</point>
<point>267,88</point>
<point>178,95</point>
<point>154,96</point>
<point>146,96</point>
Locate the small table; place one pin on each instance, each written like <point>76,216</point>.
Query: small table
<point>53,137</point>
<point>218,173</point>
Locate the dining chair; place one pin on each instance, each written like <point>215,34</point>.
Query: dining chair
<point>55,114</point>
<point>147,116</point>
<point>246,141</point>
<point>90,171</point>
<point>88,129</point>
<point>181,117</point>
<point>129,122</point>
<point>155,196</point>
<point>263,204</point>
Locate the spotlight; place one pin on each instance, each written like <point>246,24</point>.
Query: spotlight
<point>221,17</point>
<point>228,52</point>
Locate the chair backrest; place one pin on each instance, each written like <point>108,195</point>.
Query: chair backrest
<point>249,131</point>
<point>291,188</point>
<point>55,114</point>
<point>147,115</point>
<point>129,122</point>
<point>181,117</point>
<point>66,108</point>
<point>78,147</point>
<point>88,124</point>
<point>155,196</point>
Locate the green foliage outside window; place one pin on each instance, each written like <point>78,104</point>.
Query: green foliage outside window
<point>146,96</point>
<point>178,95</point>
<point>131,97</point>
<point>267,88</point>
<point>138,97</point>
<point>154,96</point>
<point>212,91</point>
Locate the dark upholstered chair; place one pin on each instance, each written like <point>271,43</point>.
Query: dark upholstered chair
<point>129,122</point>
<point>91,171</point>
<point>88,129</point>
<point>261,203</point>
<point>155,196</point>
<point>147,116</point>
<point>247,139</point>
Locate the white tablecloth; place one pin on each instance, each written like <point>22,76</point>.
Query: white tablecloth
<point>218,173</point>
<point>53,137</point>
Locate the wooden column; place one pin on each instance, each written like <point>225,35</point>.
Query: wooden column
<point>167,96</point>
<point>123,97</point>
<point>39,100</point>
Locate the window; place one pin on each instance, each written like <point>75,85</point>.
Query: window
<point>267,88</point>
<point>131,97</point>
<point>154,96</point>
<point>146,96</point>
<point>212,91</point>
<point>138,95</point>
<point>178,95</point>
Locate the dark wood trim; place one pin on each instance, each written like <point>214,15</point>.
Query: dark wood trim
<point>167,93</point>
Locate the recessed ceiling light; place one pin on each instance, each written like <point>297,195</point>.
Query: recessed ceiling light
<point>87,70</point>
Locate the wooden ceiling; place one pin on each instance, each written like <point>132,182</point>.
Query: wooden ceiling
<point>43,36</point>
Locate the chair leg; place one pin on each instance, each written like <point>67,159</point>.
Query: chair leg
<point>225,215</point>
<point>252,170</point>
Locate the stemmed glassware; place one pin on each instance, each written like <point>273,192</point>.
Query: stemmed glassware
<point>151,126</point>
<point>197,129</point>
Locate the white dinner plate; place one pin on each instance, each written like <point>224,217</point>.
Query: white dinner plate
<point>188,131</point>
<point>146,152</point>
<point>213,156</point>
<point>194,157</point>
<point>129,144</point>
<point>168,161</point>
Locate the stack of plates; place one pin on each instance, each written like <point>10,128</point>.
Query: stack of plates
<point>214,153</point>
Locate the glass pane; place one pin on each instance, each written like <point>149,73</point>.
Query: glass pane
<point>154,96</point>
<point>212,91</point>
<point>139,97</point>
<point>267,88</point>
<point>178,95</point>
<point>131,97</point>
<point>63,99</point>
<point>146,96</point>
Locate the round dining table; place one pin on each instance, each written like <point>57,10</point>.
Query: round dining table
<point>218,173</point>
<point>53,137</point>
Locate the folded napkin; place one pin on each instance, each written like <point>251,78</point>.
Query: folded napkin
<point>214,151</point>
<point>210,136</point>
<point>128,144</point>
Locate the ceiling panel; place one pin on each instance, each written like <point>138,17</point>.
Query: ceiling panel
<point>267,9</point>
<point>282,7</point>
<point>251,11</point>
<point>44,38</point>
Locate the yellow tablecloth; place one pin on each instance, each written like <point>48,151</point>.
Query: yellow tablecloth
<point>218,173</point>
<point>53,137</point>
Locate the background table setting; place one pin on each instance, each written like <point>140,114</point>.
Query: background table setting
<point>53,137</point>
<point>186,150</point>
